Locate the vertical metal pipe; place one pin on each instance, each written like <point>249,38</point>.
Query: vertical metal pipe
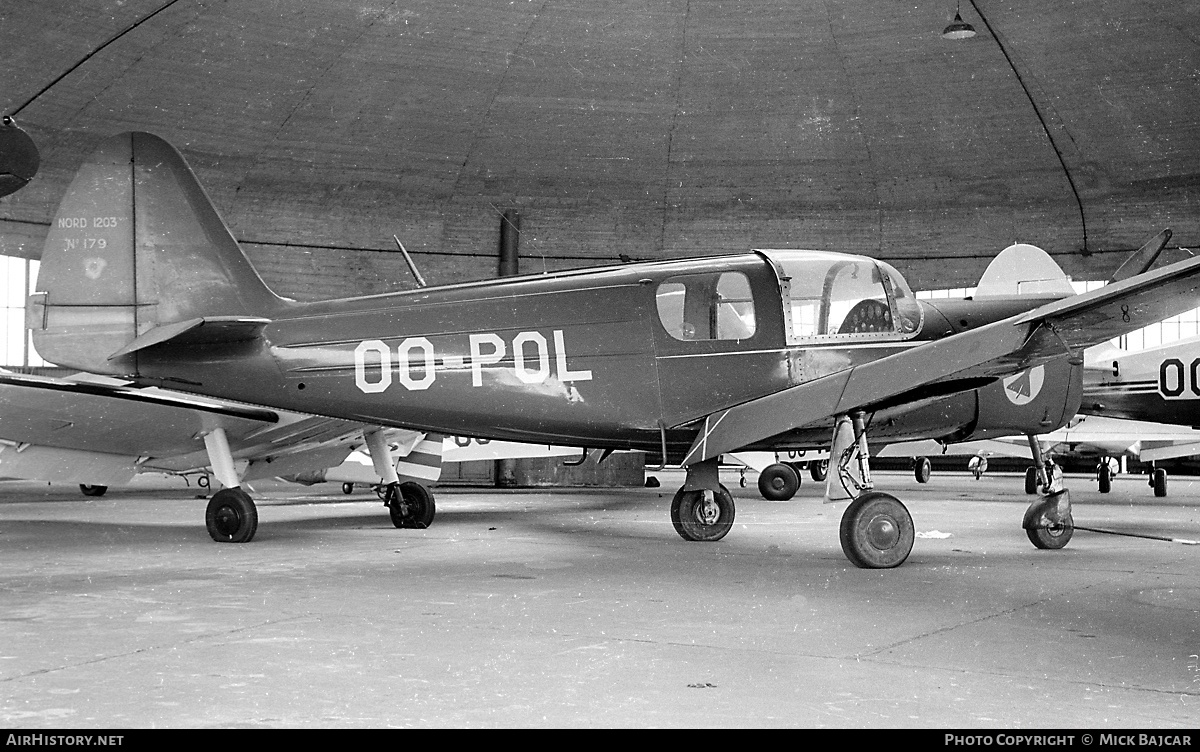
<point>510,241</point>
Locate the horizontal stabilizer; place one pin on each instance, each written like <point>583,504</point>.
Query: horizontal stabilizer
<point>207,330</point>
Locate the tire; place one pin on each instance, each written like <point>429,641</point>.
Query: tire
<point>778,482</point>
<point>410,505</point>
<point>698,518</point>
<point>1104,478</point>
<point>877,531</point>
<point>1042,534</point>
<point>1031,480</point>
<point>1160,482</point>
<point>818,470</point>
<point>922,469</point>
<point>87,490</point>
<point>231,516</point>
<point>347,488</point>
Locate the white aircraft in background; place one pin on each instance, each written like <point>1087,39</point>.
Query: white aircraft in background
<point>98,431</point>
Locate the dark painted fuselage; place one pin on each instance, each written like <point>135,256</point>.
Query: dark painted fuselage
<point>581,358</point>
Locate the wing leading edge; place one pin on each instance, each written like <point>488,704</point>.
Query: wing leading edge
<point>999,349</point>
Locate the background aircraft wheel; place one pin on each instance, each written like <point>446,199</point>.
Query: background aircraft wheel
<point>922,469</point>
<point>702,516</point>
<point>818,470</point>
<point>778,482</point>
<point>1159,482</point>
<point>1104,477</point>
<point>410,505</point>
<point>347,488</point>
<point>231,516</point>
<point>87,490</point>
<point>1031,480</point>
<point>877,531</point>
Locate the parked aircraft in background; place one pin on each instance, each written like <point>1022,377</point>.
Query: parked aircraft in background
<point>1104,440</point>
<point>688,359</point>
<point>98,431</point>
<point>358,469</point>
<point>1142,405</point>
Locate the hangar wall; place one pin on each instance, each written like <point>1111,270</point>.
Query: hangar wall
<point>642,128</point>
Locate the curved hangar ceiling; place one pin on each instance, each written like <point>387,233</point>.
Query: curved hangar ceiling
<point>643,128</point>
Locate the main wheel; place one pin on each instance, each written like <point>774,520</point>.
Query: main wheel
<point>347,488</point>
<point>87,490</point>
<point>231,516</point>
<point>1031,480</point>
<point>818,470</point>
<point>922,469</point>
<point>1104,477</point>
<point>702,515</point>
<point>877,531</point>
<point>778,482</point>
<point>1160,482</point>
<point>410,505</point>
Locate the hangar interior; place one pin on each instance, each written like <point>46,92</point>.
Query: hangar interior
<point>632,130</point>
<point>636,129</point>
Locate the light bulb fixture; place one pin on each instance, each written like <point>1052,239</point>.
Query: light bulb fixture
<point>958,28</point>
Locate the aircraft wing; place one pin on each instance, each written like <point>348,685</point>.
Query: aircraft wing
<point>100,431</point>
<point>995,350</point>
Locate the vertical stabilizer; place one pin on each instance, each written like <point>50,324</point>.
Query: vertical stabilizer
<point>1023,269</point>
<point>136,244</point>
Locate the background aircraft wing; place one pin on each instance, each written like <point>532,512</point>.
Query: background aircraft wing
<point>100,431</point>
<point>959,361</point>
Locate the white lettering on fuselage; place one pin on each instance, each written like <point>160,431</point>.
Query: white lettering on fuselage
<point>414,361</point>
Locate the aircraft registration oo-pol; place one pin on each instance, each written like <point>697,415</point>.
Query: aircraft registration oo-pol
<point>684,359</point>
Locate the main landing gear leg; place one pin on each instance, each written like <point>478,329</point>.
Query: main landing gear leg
<point>231,516</point>
<point>1047,521</point>
<point>702,509</point>
<point>410,505</point>
<point>877,531</point>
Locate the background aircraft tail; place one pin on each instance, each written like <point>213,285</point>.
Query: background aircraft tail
<point>136,245</point>
<point>1023,269</point>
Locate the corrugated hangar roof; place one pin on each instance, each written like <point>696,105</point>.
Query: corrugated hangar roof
<point>636,128</point>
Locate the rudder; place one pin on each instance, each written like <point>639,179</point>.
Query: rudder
<point>136,244</point>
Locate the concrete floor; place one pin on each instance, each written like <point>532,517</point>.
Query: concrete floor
<point>584,608</point>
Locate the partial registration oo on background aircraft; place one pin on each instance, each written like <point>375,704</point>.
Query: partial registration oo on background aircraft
<point>684,359</point>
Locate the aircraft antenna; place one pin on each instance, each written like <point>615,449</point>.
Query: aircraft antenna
<point>408,259</point>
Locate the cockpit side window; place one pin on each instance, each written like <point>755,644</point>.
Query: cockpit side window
<point>715,306</point>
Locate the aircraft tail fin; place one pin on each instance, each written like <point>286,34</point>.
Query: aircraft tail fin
<point>137,245</point>
<point>1023,269</point>
<point>1143,258</point>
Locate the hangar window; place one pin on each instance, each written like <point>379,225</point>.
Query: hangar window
<point>17,277</point>
<point>707,307</point>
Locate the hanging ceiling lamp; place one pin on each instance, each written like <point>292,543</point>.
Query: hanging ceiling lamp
<point>958,28</point>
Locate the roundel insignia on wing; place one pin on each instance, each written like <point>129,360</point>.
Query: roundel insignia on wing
<point>1025,386</point>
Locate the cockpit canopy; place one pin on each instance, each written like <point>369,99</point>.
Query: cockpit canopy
<point>834,296</point>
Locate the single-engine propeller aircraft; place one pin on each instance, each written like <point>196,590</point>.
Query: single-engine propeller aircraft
<point>687,359</point>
